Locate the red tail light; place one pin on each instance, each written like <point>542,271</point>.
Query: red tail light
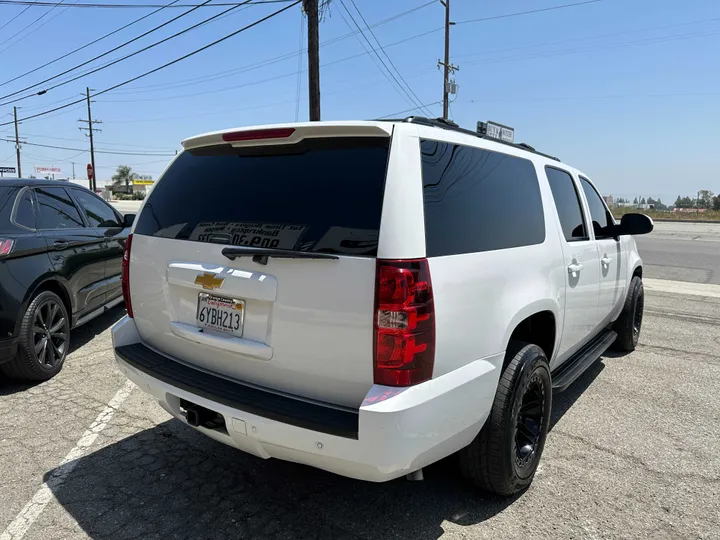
<point>404,323</point>
<point>258,134</point>
<point>126,276</point>
<point>6,246</point>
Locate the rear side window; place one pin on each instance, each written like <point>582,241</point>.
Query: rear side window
<point>57,211</point>
<point>7,199</point>
<point>25,212</point>
<point>478,200</point>
<point>322,195</point>
<point>603,222</point>
<point>98,212</point>
<point>567,203</point>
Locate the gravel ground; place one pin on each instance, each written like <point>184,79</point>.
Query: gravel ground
<point>633,453</point>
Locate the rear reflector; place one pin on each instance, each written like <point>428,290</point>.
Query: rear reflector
<point>258,134</point>
<point>6,246</point>
<point>404,323</point>
<point>125,280</point>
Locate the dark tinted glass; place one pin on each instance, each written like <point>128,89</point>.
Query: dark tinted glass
<point>98,212</point>
<point>25,213</point>
<point>321,195</point>
<point>56,209</point>
<point>567,204</point>
<point>603,222</point>
<point>477,200</point>
<point>7,199</point>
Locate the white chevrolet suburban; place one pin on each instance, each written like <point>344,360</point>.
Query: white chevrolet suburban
<point>371,297</point>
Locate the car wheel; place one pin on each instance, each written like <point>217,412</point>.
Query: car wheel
<point>504,456</point>
<point>629,324</point>
<point>45,339</point>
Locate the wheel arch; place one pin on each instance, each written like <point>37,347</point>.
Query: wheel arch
<point>536,323</point>
<point>53,284</point>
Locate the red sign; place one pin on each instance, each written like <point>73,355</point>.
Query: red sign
<point>90,171</point>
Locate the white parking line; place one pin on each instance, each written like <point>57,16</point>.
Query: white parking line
<point>31,511</point>
<point>682,287</point>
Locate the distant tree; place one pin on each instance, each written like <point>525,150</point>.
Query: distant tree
<point>635,200</point>
<point>684,202</point>
<point>705,198</point>
<point>643,201</point>
<point>123,176</point>
<point>716,202</point>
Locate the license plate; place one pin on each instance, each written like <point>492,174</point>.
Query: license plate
<point>221,314</point>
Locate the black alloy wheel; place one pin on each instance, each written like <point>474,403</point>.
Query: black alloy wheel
<point>51,333</point>
<point>529,423</point>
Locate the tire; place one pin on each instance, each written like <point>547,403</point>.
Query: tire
<point>629,323</point>
<point>44,340</point>
<point>501,459</point>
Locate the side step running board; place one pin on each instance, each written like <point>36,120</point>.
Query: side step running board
<point>575,366</point>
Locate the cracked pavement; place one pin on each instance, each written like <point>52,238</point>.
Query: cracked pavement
<point>634,452</point>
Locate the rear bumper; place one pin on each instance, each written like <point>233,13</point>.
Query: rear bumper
<point>395,431</point>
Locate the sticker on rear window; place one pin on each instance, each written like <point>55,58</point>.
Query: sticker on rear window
<point>266,235</point>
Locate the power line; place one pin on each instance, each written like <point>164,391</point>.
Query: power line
<point>276,59</point>
<point>30,4</point>
<point>417,99</point>
<point>159,148</point>
<point>108,52</point>
<point>391,115</point>
<point>18,15</point>
<point>172,62</point>
<point>529,12</point>
<point>86,45</point>
<point>112,152</point>
<point>29,25</point>
<point>402,89</point>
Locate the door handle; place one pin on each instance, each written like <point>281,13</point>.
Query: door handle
<point>606,260</point>
<point>61,244</point>
<point>574,268</point>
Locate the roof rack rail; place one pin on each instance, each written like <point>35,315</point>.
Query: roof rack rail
<point>444,123</point>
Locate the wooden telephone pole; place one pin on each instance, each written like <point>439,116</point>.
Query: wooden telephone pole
<point>17,144</point>
<point>90,122</point>
<point>448,68</point>
<point>313,14</point>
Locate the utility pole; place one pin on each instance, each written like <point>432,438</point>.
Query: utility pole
<point>448,68</point>
<point>312,11</point>
<point>73,164</point>
<point>17,144</point>
<point>90,122</point>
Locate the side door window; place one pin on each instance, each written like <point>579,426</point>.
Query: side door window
<point>98,212</point>
<point>56,209</point>
<point>567,202</point>
<point>602,220</point>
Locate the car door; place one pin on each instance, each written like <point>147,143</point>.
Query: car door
<point>109,224</point>
<point>77,251</point>
<point>581,265</point>
<point>610,252</point>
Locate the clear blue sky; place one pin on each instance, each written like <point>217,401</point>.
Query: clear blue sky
<point>627,90</point>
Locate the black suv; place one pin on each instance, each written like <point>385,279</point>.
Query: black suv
<point>61,249</point>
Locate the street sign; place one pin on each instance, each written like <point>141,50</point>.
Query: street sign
<point>9,170</point>
<point>141,182</point>
<point>496,131</point>
<point>90,171</point>
<point>47,170</point>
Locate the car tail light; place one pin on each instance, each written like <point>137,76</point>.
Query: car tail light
<point>404,323</point>
<point>6,246</point>
<point>126,276</point>
<point>258,134</point>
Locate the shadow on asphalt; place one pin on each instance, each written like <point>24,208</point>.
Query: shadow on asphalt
<point>172,482</point>
<point>78,337</point>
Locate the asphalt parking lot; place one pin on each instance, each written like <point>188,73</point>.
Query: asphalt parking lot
<point>634,452</point>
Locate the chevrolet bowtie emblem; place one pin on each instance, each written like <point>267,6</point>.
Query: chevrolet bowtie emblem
<point>209,281</point>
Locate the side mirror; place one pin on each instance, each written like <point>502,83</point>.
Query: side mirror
<point>128,220</point>
<point>635,224</point>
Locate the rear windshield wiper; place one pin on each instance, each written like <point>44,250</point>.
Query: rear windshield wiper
<point>261,255</point>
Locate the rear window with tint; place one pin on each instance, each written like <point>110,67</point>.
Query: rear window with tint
<point>322,195</point>
<point>478,200</point>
